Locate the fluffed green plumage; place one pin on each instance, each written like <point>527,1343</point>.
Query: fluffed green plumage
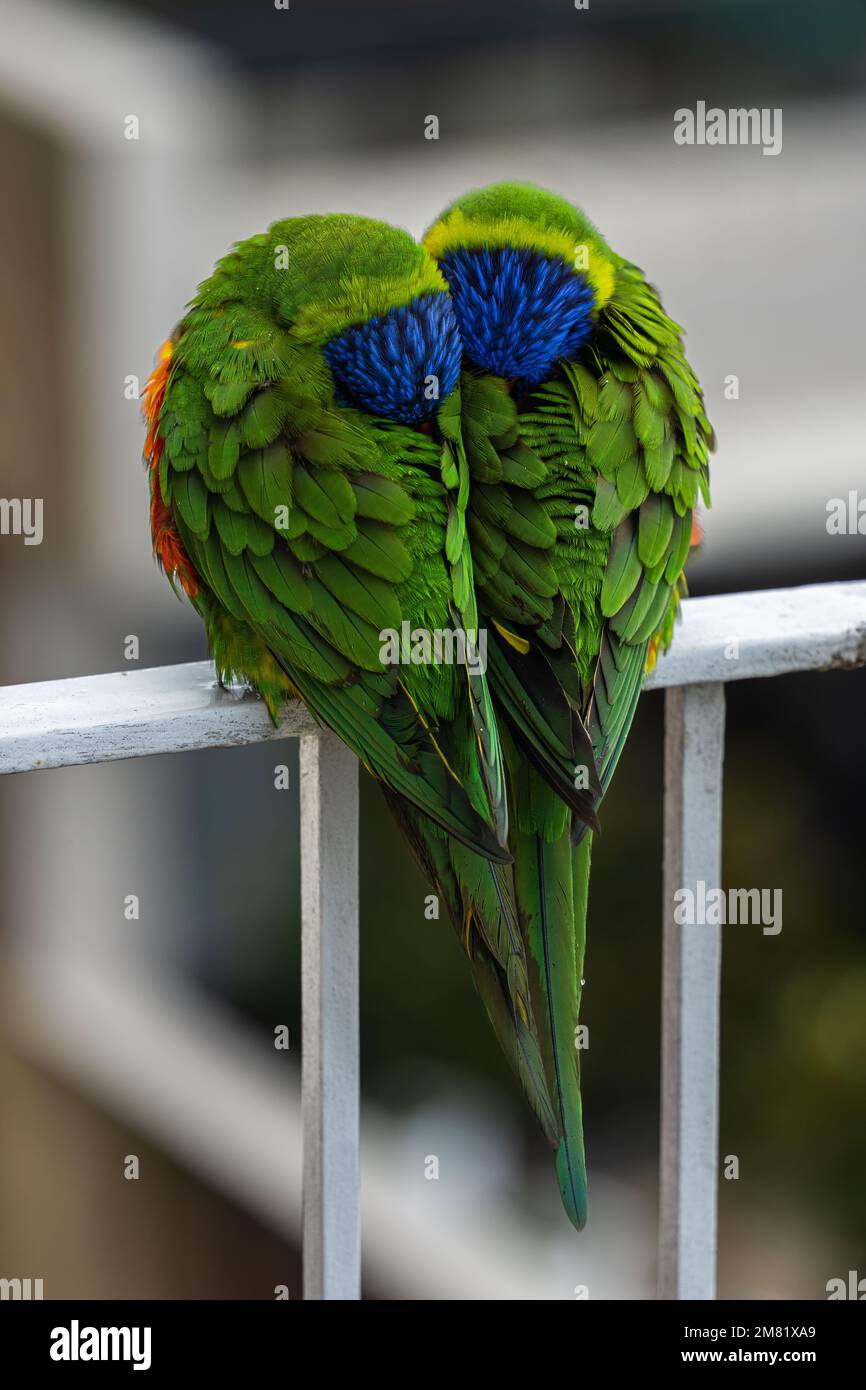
<point>589,478</point>
<point>314,525</point>
<point>304,529</point>
<point>553,519</point>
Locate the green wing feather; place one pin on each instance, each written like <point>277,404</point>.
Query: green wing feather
<point>646,382</point>
<point>315,528</point>
<point>455,468</point>
<point>580,517</point>
<point>479,898</point>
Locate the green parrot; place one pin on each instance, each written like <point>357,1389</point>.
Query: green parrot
<point>586,438</point>
<point>308,493</point>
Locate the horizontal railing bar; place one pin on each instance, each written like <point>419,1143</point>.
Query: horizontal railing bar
<point>173,709</point>
<point>767,632</point>
<point>129,714</point>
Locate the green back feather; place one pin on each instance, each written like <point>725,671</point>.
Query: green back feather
<point>580,518</point>
<point>315,528</point>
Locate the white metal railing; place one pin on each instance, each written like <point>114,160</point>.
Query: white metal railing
<point>173,709</point>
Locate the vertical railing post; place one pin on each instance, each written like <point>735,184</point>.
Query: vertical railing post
<point>329,1062</point>
<point>691,973</point>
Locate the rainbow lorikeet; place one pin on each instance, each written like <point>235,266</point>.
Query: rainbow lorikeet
<point>587,441</point>
<point>308,493</point>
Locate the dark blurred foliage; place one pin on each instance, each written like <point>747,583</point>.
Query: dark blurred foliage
<point>805,46</point>
<point>490,66</point>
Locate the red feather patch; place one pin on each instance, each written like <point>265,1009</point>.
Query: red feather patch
<point>167,545</point>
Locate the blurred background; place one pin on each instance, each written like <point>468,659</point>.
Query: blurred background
<point>154,1036</point>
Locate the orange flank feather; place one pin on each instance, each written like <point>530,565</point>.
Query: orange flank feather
<point>167,546</point>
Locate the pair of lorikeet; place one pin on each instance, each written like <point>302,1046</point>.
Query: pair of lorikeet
<point>495,433</point>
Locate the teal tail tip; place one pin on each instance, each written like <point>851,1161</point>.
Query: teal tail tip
<point>572,1185</point>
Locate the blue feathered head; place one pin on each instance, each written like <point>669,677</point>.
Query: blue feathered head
<point>528,275</point>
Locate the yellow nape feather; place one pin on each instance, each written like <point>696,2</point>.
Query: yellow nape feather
<point>458,230</point>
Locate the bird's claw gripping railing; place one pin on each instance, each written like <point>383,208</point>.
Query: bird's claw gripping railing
<point>171,709</point>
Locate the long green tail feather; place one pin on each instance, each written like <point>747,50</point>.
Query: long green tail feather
<point>515,1038</point>
<point>478,897</point>
<point>552,884</point>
